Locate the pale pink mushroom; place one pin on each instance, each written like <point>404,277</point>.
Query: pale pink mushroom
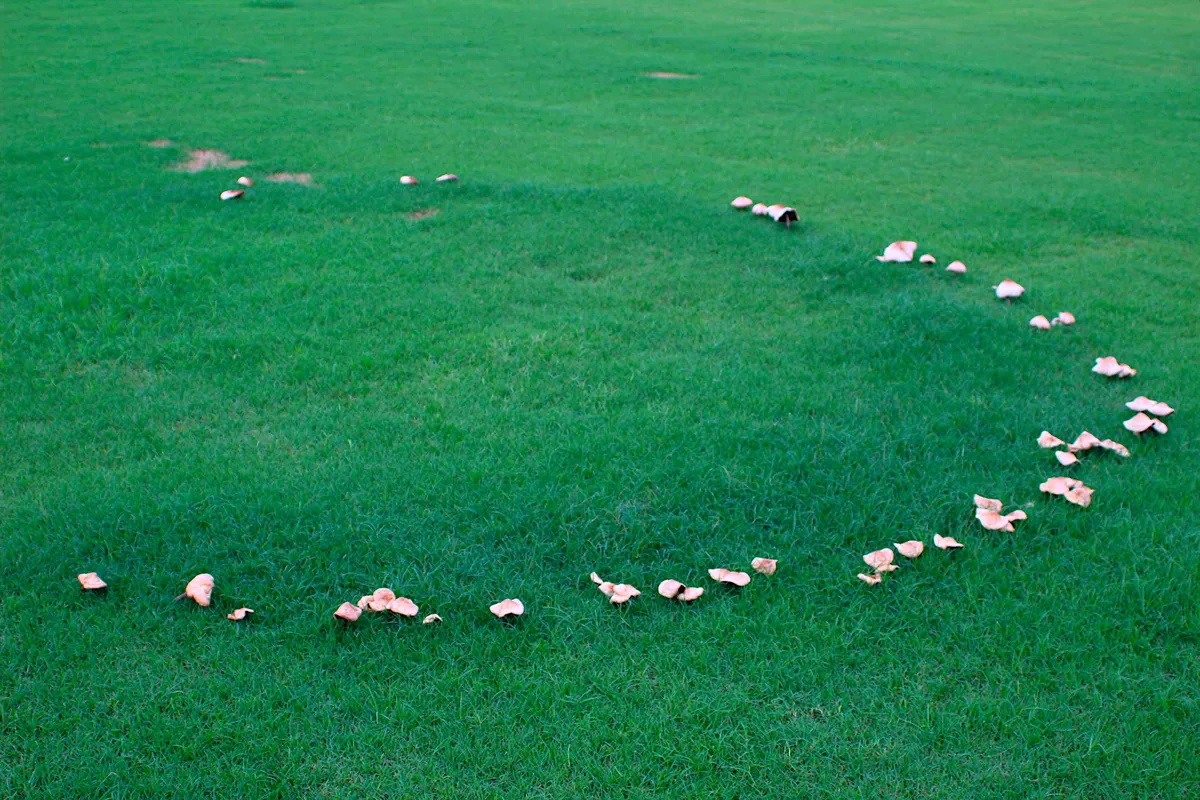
<point>900,252</point>
<point>239,614</point>
<point>957,267</point>
<point>1063,318</point>
<point>877,559</point>
<point>1007,290</point>
<point>348,612</point>
<point>200,589</point>
<point>1065,458</point>
<point>764,566</point>
<point>1048,439</point>
<point>1153,407</point>
<point>596,579</point>
<point>1110,367</point>
<point>1116,447</point>
<point>511,607</point>
<point>871,579</point>
<point>887,568</point>
<point>449,176</point>
<point>1040,322</point>
<point>1159,426</point>
<point>759,210</point>
<point>377,601</point>
<point>742,203</point>
<point>607,587</point>
<point>928,259</point>
<point>669,589</point>
<point>1084,441</point>
<point>945,542</point>
<point>91,582</point>
<point>729,576</point>
<point>232,194</point>
<point>1140,423</point>
<point>622,592</point>
<point>1080,496</point>
<point>993,520</point>
<point>910,549</point>
<point>403,606</point>
<point>409,180</point>
<point>244,181</point>
<point>689,594</point>
<point>1016,516</point>
<point>987,503</point>
<point>785,214</point>
<point>432,618</point>
<point>1059,486</point>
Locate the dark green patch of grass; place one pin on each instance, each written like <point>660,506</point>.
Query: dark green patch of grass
<point>586,361</point>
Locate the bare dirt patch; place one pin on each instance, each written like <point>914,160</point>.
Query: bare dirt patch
<point>160,144</point>
<point>421,213</point>
<point>200,160</point>
<point>302,178</point>
<point>670,76</point>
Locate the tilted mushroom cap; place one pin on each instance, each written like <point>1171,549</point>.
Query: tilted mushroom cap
<point>379,600</point>
<point>622,592</point>
<point>1153,407</point>
<point>596,579</point>
<point>1063,318</point>
<point>1015,516</point>
<point>742,202</point>
<point>1139,423</point>
<point>1110,367</point>
<point>232,194</point>
<point>669,589</point>
<point>928,259</point>
<point>408,180</point>
<point>403,606</point>
<point>244,181</point>
<point>1065,458</point>
<point>785,214</point>
<point>689,594</point>
<point>1059,485</point>
<point>1084,441</point>
<point>432,618</point>
<point>910,549</point>
<point>759,210</point>
<point>239,614</point>
<point>729,576</point>
<point>1007,289</point>
<point>1159,426</point>
<point>90,581</point>
<point>200,589</point>
<point>945,542</point>
<point>899,252</point>
<point>1116,447</point>
<point>1040,322</point>
<point>957,267</point>
<point>993,520</point>
<point>764,566</point>
<point>871,579</point>
<point>511,607</point>
<point>1080,496</point>
<point>348,611</point>
<point>988,503</point>
<point>449,176</point>
<point>877,559</point>
<point>1048,439</point>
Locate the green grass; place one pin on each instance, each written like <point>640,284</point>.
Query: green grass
<point>586,361</point>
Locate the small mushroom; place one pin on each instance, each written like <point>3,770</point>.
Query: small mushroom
<point>233,194</point>
<point>506,608</point>
<point>431,619</point>
<point>728,576</point>
<point>239,614</point>
<point>1110,367</point>
<point>1066,458</point>
<point>1007,290</point>
<point>957,267</point>
<point>764,566</point>
<point>784,214</point>
<point>742,203</point>
<point>1116,447</point>
<point>869,579</point>
<point>403,606</point>
<point>879,559</point>
<point>928,259</point>
<point>448,177</point>
<point>1063,318</point>
<point>674,590</point>
<point>945,542</point>
<point>987,503</point>
<point>910,549</point>
<point>1140,423</point>
<point>1040,322</point>
<point>348,612</point>
<point>1084,441</point>
<point>1048,439</point>
<point>1059,486</point>
<point>408,180</point>
<point>759,210</point>
<point>91,582</point>
<point>200,589</point>
<point>1080,496</point>
<point>244,181</point>
<point>1152,407</point>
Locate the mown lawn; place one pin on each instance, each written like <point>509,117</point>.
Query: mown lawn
<point>586,361</point>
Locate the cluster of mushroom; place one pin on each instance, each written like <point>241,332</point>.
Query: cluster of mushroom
<point>882,561</point>
<point>409,180</point>
<point>382,599</point>
<point>990,514</point>
<point>1111,368</point>
<point>237,194</point>
<point>1041,323</point>
<point>1145,418</point>
<point>621,593</point>
<point>778,212</point>
<point>903,252</point>
<point>1082,444</point>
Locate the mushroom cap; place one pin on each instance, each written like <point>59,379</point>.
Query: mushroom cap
<point>993,520</point>
<point>877,559</point>
<point>764,566</point>
<point>1116,447</point>
<point>1059,485</point>
<point>1065,457</point>
<point>1007,289</point>
<point>348,612</point>
<point>945,542</point>
<point>1064,318</point>
<point>1152,407</point>
<point>200,589</point>
<point>239,614</point>
<point>957,267</point>
<point>1084,441</point>
<point>782,213</point>
<point>729,576</point>
<point>432,618</point>
<point>1080,496</point>
<point>1048,439</point>
<point>988,503</point>
<point>232,194</point>
<point>759,210</point>
<point>449,176</point>
<point>510,607</point>
<point>402,606</point>
<point>622,593</point>
<point>244,181</point>
<point>898,252</point>
<point>869,579</point>
<point>928,259</point>
<point>1139,423</point>
<point>408,180</point>
<point>690,593</point>
<point>910,549</point>
<point>742,202</point>
<point>91,582</point>
<point>1040,322</point>
<point>670,589</point>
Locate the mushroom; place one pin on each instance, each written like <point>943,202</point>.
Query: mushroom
<point>239,614</point>
<point>1110,367</point>
<point>764,566</point>
<point>910,549</point>
<point>869,579</point>
<point>1066,458</point>
<point>1140,423</point>
<point>674,590</point>
<point>1063,318</point>
<point>1153,407</point>
<point>1040,322</point>
<point>91,582</point>
<point>409,180</point>
<point>899,252</point>
<point>784,214</point>
<point>742,203</point>
<point>759,210</point>
<point>879,560</point>
<point>945,542</point>
<point>730,577</point>
<point>244,181</point>
<point>1048,439</point>
<point>449,176</point>
<point>200,589</point>
<point>432,618</point>
<point>402,606</point>
<point>232,194</point>
<point>348,612</point>
<point>1007,290</point>
<point>957,267</point>
<point>506,608</point>
<point>928,259</point>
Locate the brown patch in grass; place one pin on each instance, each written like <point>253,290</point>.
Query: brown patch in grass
<point>160,144</point>
<point>243,60</point>
<point>421,213</point>
<point>670,76</point>
<point>200,160</point>
<point>302,178</point>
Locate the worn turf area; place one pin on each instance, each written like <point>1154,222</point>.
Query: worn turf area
<point>584,360</point>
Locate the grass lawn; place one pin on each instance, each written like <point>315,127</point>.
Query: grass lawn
<point>586,361</point>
